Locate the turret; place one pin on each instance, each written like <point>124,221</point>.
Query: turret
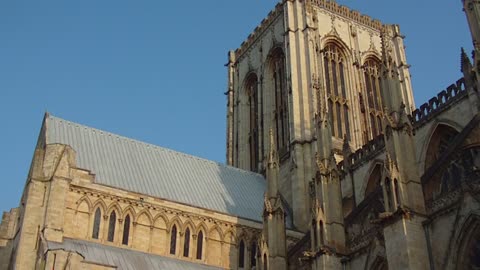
<point>274,213</point>
<point>327,229</point>
<point>472,11</point>
<point>402,189</point>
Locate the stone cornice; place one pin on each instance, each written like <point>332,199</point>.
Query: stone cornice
<point>151,206</point>
<point>259,30</point>
<point>346,12</point>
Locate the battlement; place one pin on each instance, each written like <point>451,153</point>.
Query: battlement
<point>346,12</point>
<point>258,31</point>
<point>437,104</point>
<point>369,150</point>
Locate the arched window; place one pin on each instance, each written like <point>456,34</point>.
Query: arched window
<point>253,254</point>
<point>252,92</point>
<point>111,226</point>
<point>335,81</point>
<point>241,254</point>
<point>281,101</point>
<point>199,245</point>
<point>371,71</point>
<point>186,243</point>
<point>440,140</point>
<point>96,223</point>
<point>126,230</point>
<point>173,240</point>
<point>265,262</point>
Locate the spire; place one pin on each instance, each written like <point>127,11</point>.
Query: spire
<point>272,167</point>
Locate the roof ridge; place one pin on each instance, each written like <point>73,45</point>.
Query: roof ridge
<point>50,116</point>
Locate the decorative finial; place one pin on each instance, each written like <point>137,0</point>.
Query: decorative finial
<point>465,64</point>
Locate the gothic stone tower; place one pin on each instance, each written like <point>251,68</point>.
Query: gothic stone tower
<point>300,49</point>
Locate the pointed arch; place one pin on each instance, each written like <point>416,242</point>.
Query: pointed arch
<point>200,241</point>
<point>229,237</point>
<point>160,221</point>
<point>126,228</point>
<point>335,58</point>
<point>100,203</point>
<point>112,222</point>
<point>129,210</point>
<point>441,135</point>
<point>175,221</point>
<point>82,202</point>
<point>144,217</point>
<point>188,224</point>
<point>115,206</point>
<point>277,79</point>
<point>97,220</point>
<point>173,239</point>
<point>215,233</point>
<point>202,227</point>
<point>467,246</point>
<point>186,241</point>
<point>373,93</point>
<point>370,174</point>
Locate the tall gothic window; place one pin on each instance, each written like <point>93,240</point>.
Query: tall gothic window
<point>371,71</point>
<point>173,240</point>
<point>96,223</point>
<point>186,243</point>
<point>281,101</point>
<point>335,81</point>
<point>199,245</point>
<point>126,230</point>
<point>252,92</point>
<point>111,226</point>
<point>241,255</point>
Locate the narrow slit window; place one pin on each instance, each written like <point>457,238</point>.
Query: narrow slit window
<point>241,255</point>
<point>111,226</point>
<point>96,223</point>
<point>126,230</point>
<point>199,245</point>
<point>186,243</point>
<point>173,240</point>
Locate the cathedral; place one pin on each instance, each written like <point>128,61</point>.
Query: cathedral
<point>329,165</point>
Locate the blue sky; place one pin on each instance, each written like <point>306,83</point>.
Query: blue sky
<point>154,70</point>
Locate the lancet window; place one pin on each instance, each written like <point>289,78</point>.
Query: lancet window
<point>253,254</point>
<point>126,230</point>
<point>281,101</point>
<point>186,243</point>
<point>111,226</point>
<point>371,71</point>
<point>336,84</point>
<point>199,245</point>
<point>252,92</point>
<point>173,240</point>
<point>241,254</point>
<point>96,223</point>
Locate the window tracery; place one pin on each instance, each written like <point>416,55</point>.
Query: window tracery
<point>335,80</point>
<point>371,71</point>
